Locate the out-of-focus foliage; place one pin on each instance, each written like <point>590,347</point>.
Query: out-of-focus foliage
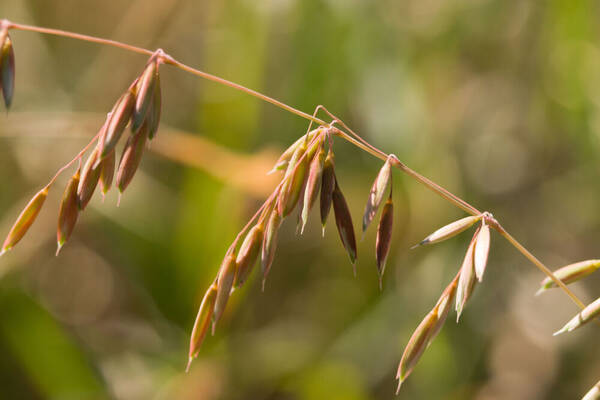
<point>499,101</point>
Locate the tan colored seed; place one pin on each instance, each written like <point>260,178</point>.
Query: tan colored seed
<point>25,220</point>
<point>570,273</point>
<point>590,312</point>
<point>68,212</point>
<point>107,171</point>
<point>482,249</point>
<point>450,230</point>
<point>202,322</point>
<point>467,280</point>
<point>269,245</point>
<point>248,254</point>
<point>117,121</point>
<point>313,184</point>
<point>294,179</point>
<point>224,285</point>
<point>89,179</point>
<point>380,185</point>
<point>283,160</point>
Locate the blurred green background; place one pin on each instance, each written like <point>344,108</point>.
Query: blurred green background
<point>499,101</point>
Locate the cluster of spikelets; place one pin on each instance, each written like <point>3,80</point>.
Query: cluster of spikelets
<point>308,170</point>
<point>139,108</point>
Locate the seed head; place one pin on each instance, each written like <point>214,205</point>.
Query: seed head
<point>117,121</point>
<point>380,185</point>
<point>248,254</point>
<point>89,179</point>
<point>313,184</point>
<point>343,220</point>
<point>294,181</point>
<point>467,279</point>
<point>25,220</point>
<point>202,322</point>
<point>155,109</point>
<point>384,237</point>
<point>132,155</point>
<point>107,171</point>
<point>482,249</point>
<point>283,160</point>
<point>144,95</point>
<point>68,213</point>
<point>269,244</point>
<point>327,187</point>
<point>571,273</point>
<point>450,230</point>
<point>224,285</point>
<point>7,67</point>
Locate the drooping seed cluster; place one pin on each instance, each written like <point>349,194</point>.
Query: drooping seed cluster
<point>308,171</point>
<point>139,108</point>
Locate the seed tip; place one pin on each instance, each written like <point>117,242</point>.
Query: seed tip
<point>59,247</point>
<point>562,330</point>
<point>380,283</point>
<point>189,364</point>
<point>119,198</point>
<point>540,291</point>
<point>263,285</point>
<point>400,382</point>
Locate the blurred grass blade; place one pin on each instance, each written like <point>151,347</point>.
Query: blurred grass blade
<point>482,249</point>
<point>343,220</point>
<point>25,220</point>
<point>450,230</point>
<point>590,312</point>
<point>381,183</point>
<point>571,273</point>
<point>202,323</point>
<point>68,212</point>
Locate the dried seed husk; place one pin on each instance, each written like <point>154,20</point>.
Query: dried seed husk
<point>593,394</point>
<point>202,322</point>
<point>384,237</point>
<point>283,160</point>
<point>224,285</point>
<point>269,244</point>
<point>313,184</point>
<point>327,187</point>
<point>144,95</point>
<point>417,344</point>
<point>25,220</point>
<point>248,254</point>
<point>450,230</point>
<point>380,185</point>
<point>482,250</point>
<point>89,179</point>
<point>343,220</point>
<point>294,181</point>
<point>155,109</point>
<point>467,279</point>
<point>131,157</point>
<point>7,69</point>
<point>119,117</point>
<point>68,212</point>
<point>107,171</point>
<point>570,273</point>
<point>590,312</point>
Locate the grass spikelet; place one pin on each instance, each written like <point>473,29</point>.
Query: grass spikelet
<point>294,181</point>
<point>248,254</point>
<point>283,160</point>
<point>590,312</point>
<point>467,279</point>
<point>482,249</point>
<point>382,181</point>
<point>593,393</point>
<point>327,187</point>
<point>224,285</point>
<point>570,273</point>
<point>155,109</point>
<point>443,306</point>
<point>7,68</point>
<point>107,172</point>
<point>132,155</point>
<point>450,230</point>
<point>313,184</point>
<point>343,220</point>
<point>144,95</point>
<point>384,237</point>
<point>202,323</point>
<point>89,179</point>
<point>25,220</point>
<point>119,117</point>
<point>269,245</point>
<point>68,213</point>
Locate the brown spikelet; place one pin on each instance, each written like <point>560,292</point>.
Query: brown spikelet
<point>450,230</point>
<point>117,121</point>
<point>283,160</point>
<point>68,213</point>
<point>89,179</point>
<point>269,245</point>
<point>343,220</point>
<point>248,254</point>
<point>224,285</point>
<point>382,181</point>
<point>570,273</point>
<point>294,181</point>
<point>25,220</point>
<point>107,171</point>
<point>202,322</point>
<point>384,237</point>
<point>327,187</point>
<point>467,279</point>
<point>144,95</point>
<point>131,157</point>
<point>7,67</point>
<point>482,249</point>
<point>155,109</point>
<point>313,184</point>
